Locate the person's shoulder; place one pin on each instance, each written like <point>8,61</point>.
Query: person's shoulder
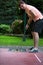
<point>30,6</point>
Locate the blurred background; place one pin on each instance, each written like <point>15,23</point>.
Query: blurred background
<point>13,21</point>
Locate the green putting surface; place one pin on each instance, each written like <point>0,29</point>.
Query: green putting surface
<point>17,41</point>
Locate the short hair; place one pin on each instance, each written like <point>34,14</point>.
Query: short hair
<point>21,2</point>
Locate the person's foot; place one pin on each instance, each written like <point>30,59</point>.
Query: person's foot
<point>33,50</point>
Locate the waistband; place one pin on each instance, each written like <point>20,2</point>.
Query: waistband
<point>39,20</point>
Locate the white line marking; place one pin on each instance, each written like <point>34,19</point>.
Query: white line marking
<point>37,58</point>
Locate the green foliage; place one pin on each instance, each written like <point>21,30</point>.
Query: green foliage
<point>5,29</point>
<point>9,9</point>
<point>17,22</point>
<point>17,26</point>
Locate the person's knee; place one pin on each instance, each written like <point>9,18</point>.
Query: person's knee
<point>35,34</point>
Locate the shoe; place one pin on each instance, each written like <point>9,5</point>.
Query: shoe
<point>34,50</point>
<point>31,48</point>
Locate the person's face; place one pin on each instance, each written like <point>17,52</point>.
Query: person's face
<point>22,6</point>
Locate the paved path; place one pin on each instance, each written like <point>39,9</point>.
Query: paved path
<point>20,58</point>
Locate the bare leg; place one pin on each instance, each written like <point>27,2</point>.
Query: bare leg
<point>36,39</point>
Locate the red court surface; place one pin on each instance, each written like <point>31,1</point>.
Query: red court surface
<point>20,58</point>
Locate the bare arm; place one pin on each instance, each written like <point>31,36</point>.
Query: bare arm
<point>31,16</point>
<point>29,20</point>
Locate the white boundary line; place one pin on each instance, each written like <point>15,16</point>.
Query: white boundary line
<point>37,58</point>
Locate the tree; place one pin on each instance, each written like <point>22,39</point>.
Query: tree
<point>9,10</point>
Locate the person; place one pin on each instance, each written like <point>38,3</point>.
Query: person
<point>35,22</point>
